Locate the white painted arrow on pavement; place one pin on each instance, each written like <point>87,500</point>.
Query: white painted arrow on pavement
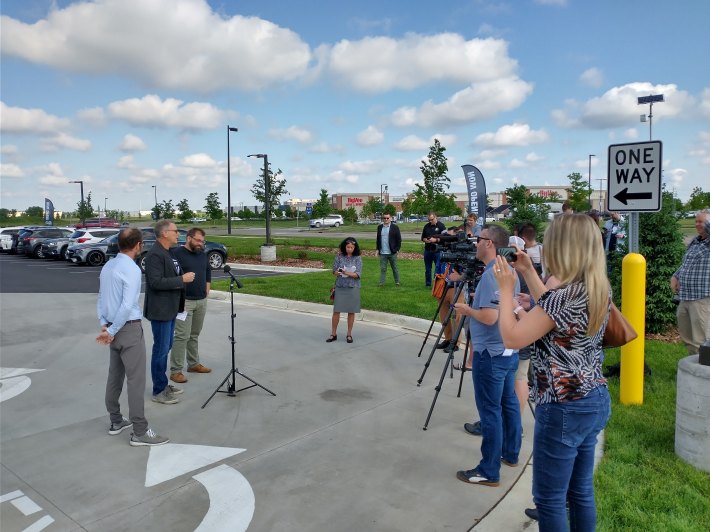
<point>13,381</point>
<point>231,500</point>
<point>174,459</point>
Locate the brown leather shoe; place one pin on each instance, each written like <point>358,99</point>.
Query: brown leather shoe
<point>198,368</point>
<point>178,377</point>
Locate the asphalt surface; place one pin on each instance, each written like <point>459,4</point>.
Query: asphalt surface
<point>339,447</point>
<point>21,274</point>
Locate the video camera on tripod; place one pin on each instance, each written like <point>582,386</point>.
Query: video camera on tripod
<point>460,251</point>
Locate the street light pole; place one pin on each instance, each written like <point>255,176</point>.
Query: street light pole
<point>267,191</point>
<point>229,183</point>
<point>81,184</point>
<point>382,201</point>
<point>105,200</point>
<point>155,209</point>
<point>590,179</point>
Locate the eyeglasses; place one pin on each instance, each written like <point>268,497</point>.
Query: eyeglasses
<point>479,238</point>
<point>386,218</point>
<point>198,240</point>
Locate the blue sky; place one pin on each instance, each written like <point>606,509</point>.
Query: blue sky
<point>127,94</point>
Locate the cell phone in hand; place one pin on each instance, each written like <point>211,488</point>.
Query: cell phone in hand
<point>508,254</point>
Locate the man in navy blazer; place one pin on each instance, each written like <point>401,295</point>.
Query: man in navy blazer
<point>164,299</point>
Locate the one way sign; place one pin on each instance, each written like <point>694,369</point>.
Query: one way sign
<point>634,180</point>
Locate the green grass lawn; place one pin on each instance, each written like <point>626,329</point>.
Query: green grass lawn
<point>641,485</point>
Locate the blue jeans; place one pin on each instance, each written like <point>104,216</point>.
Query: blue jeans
<point>430,257</point>
<point>498,410</point>
<point>563,460</point>
<point>162,343</point>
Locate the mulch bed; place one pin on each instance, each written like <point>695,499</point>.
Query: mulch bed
<point>306,263</point>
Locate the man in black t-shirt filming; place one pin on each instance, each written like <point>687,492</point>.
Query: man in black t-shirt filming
<point>188,325</point>
<point>430,237</point>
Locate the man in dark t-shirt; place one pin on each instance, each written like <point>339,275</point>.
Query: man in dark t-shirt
<point>192,258</point>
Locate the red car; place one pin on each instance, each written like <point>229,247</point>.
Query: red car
<point>98,222</point>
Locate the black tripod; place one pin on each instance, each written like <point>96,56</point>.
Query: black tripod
<point>467,286</point>
<point>231,391</point>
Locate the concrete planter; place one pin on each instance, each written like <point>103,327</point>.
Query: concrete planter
<point>692,422</point>
<point>268,253</point>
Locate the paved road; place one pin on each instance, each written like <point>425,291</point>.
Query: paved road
<point>20,274</point>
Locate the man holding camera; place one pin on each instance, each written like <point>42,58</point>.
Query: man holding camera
<point>389,240</point>
<point>691,282</point>
<point>430,237</point>
<point>493,372</point>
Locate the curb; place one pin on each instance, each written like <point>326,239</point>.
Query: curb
<point>268,268</point>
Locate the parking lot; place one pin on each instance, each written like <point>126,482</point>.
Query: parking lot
<point>21,274</point>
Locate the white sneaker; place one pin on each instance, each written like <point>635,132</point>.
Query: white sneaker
<point>149,438</point>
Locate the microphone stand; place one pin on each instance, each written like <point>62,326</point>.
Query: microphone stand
<point>231,385</point>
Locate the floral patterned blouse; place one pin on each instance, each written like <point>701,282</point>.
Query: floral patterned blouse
<point>350,264</point>
<point>567,363</point>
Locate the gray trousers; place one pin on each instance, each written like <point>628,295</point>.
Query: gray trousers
<point>185,344</point>
<point>392,260</point>
<point>127,361</point>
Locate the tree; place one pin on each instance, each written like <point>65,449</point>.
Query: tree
<point>4,214</point>
<point>322,207</point>
<point>526,208</point>
<point>349,215</point>
<point>85,210</point>
<point>213,208</point>
<point>34,212</point>
<point>698,200</point>
<point>167,210</point>
<point>390,209</point>
<point>245,213</point>
<point>579,193</point>
<point>372,206</point>
<point>661,242</point>
<point>185,213</point>
<point>277,188</point>
<point>431,195</point>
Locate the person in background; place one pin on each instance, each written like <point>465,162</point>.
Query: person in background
<point>567,327</point>
<point>120,319</point>
<point>567,208</point>
<point>192,258</point>
<point>612,232</point>
<point>528,233</point>
<point>347,269</point>
<point>389,240</point>
<point>471,226</point>
<point>430,234</point>
<point>164,298</point>
<point>691,283</point>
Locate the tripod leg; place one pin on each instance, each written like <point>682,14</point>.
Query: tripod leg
<point>443,326</point>
<point>455,338</point>
<point>449,360</point>
<point>433,321</point>
<point>254,384</point>
<point>218,387</point>
<point>463,365</point>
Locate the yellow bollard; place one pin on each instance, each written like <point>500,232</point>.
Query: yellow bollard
<point>633,307</point>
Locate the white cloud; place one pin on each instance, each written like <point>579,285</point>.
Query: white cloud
<point>340,176</point>
<point>20,120</point>
<point>559,3</point>
<point>478,102</point>
<point>370,136</point>
<point>324,147</point>
<point>132,143</point>
<point>65,141</point>
<point>54,176</point>
<point>379,64</point>
<point>199,50</point>
<point>631,133</point>
<point>11,170</point>
<point>592,77</point>
<point>533,157</point>
<point>198,160</point>
<point>8,149</point>
<point>152,111</point>
<point>512,135</point>
<point>705,103</point>
<point>619,107</point>
<point>415,143</point>
<point>296,133</point>
<point>360,167</point>
<point>126,162</point>
<point>94,116</point>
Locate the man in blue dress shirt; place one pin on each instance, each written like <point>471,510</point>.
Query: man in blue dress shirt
<point>120,319</point>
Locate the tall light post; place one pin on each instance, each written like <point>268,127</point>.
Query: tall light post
<point>650,100</point>
<point>155,209</point>
<point>382,201</point>
<point>590,179</point>
<point>81,184</point>
<point>267,191</point>
<point>229,183</point>
<point>105,200</point>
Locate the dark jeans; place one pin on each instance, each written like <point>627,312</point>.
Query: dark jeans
<point>430,257</point>
<point>563,460</point>
<point>498,410</point>
<point>162,343</point>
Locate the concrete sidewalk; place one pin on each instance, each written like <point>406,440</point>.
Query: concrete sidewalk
<point>340,447</point>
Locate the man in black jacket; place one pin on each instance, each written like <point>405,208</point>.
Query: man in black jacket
<point>430,237</point>
<point>389,240</point>
<point>164,298</point>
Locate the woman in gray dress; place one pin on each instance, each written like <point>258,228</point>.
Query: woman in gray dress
<point>347,268</point>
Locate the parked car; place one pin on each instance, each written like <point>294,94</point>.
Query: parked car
<point>197,220</point>
<point>29,241</point>
<point>98,253</point>
<point>56,248</point>
<point>8,236</point>
<point>98,222</point>
<point>332,220</point>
